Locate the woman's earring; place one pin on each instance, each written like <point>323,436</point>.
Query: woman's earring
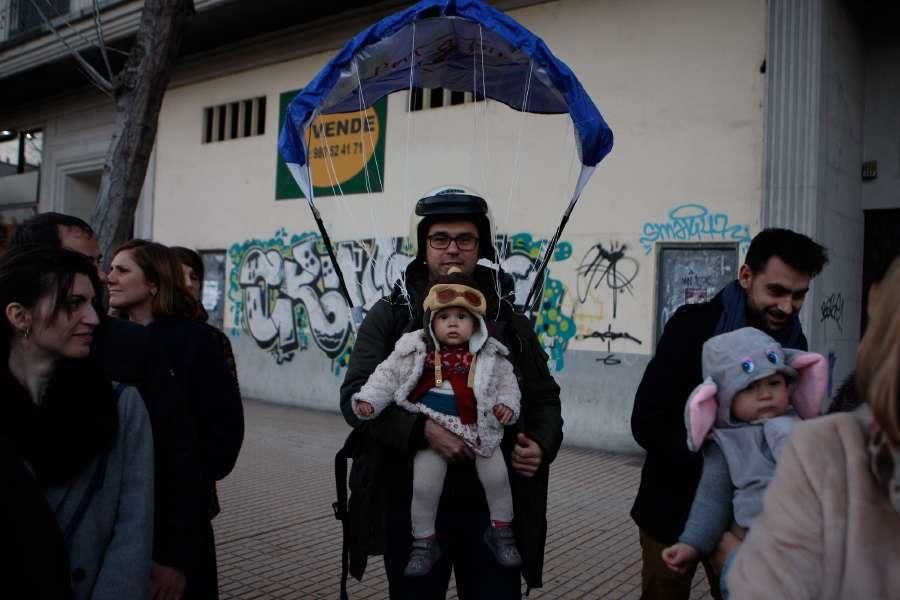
<point>26,333</point>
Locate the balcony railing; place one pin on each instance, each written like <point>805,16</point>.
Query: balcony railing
<point>21,16</point>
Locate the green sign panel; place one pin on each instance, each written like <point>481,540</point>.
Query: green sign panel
<point>344,150</point>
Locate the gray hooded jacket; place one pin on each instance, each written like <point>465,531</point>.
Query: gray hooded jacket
<point>744,455</point>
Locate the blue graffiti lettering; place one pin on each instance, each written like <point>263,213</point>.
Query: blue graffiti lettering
<point>693,222</point>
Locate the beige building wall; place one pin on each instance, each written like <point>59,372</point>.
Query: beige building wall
<point>679,83</point>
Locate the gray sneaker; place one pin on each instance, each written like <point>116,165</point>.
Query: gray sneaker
<point>503,544</point>
<point>422,557</point>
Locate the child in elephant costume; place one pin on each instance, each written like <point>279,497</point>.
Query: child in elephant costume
<point>458,376</point>
<point>753,393</point>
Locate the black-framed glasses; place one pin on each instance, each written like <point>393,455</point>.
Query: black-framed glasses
<point>441,241</point>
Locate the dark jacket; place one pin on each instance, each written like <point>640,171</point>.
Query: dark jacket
<point>33,552</point>
<point>847,398</point>
<point>128,352</point>
<point>198,360</point>
<point>383,460</point>
<point>671,472</point>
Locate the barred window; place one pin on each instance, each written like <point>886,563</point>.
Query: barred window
<point>232,120</point>
<point>426,98</point>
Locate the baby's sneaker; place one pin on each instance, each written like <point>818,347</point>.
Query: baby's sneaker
<point>503,544</point>
<point>425,552</point>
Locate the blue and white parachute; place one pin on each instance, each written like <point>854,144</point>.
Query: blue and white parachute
<point>459,45</point>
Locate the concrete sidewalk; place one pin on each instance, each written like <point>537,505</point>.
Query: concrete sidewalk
<point>277,536</point>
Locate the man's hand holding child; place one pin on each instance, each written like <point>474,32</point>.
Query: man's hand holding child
<point>503,413</point>
<point>680,557</point>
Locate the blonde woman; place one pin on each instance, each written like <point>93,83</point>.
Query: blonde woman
<point>830,526</point>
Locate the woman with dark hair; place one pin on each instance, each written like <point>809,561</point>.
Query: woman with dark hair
<point>193,270</point>
<point>146,286</point>
<point>85,443</point>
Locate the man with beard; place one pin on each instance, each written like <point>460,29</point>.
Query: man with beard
<point>453,229</point>
<point>770,289</point>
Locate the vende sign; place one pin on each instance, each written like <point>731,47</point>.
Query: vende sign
<point>342,147</point>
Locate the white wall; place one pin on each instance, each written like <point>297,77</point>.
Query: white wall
<point>679,83</point>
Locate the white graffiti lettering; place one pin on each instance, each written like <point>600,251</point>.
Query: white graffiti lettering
<point>272,286</point>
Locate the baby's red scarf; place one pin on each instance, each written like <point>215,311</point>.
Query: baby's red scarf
<point>455,363</point>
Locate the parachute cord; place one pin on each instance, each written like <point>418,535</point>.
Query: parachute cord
<point>485,121</point>
<point>502,247</point>
<point>487,149</point>
<point>475,161</point>
<point>373,219</point>
<point>406,194</point>
<point>362,106</point>
<point>409,111</point>
<point>333,179</point>
<point>571,160</point>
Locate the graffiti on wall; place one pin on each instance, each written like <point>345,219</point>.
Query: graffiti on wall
<point>832,309</point>
<point>609,336</point>
<point>553,325</point>
<point>284,291</point>
<point>694,222</point>
<point>610,267</point>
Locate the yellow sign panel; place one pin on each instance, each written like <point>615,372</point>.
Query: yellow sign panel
<point>340,146</point>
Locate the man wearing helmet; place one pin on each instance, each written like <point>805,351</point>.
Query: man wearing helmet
<point>454,231</point>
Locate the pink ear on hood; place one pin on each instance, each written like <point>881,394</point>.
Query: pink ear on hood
<point>812,382</point>
<point>700,413</point>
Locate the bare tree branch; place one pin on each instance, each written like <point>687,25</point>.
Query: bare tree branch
<point>98,25</point>
<point>103,84</point>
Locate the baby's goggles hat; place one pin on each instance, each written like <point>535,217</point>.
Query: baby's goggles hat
<point>445,295</point>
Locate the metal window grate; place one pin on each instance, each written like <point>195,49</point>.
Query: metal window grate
<point>427,98</point>
<point>234,120</point>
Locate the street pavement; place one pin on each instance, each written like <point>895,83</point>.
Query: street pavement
<point>277,536</point>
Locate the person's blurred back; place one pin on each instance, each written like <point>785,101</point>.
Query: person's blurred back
<point>878,368</point>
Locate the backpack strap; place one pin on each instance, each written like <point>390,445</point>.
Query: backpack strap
<point>93,487</point>
<point>340,507</point>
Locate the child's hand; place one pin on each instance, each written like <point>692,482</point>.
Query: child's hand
<point>364,408</point>
<point>503,413</point>
<point>680,557</point>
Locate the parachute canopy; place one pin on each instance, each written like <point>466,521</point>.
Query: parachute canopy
<point>460,45</point>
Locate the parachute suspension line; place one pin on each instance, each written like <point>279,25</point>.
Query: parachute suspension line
<point>539,280</point>
<point>474,164</point>
<point>502,247</point>
<point>326,239</point>
<point>362,107</point>
<point>409,111</point>
<point>485,120</point>
<point>372,215</point>
<point>570,159</point>
<point>406,187</point>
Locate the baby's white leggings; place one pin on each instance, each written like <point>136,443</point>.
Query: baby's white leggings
<point>429,470</point>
